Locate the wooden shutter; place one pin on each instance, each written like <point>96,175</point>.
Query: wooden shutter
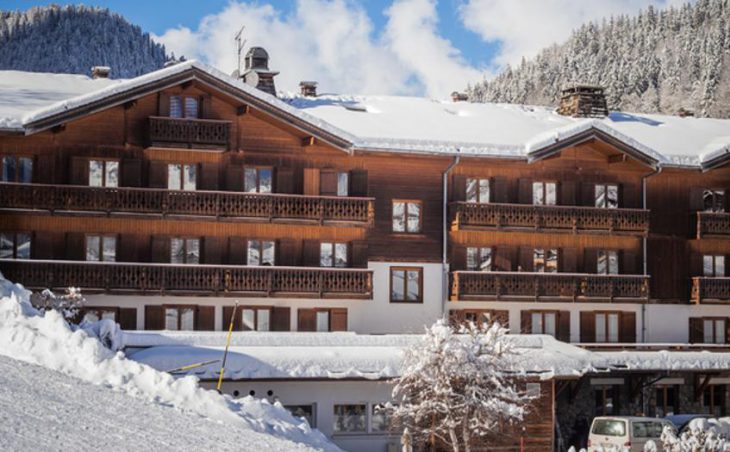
<point>359,253</point>
<point>505,258</point>
<point>588,194</point>
<point>306,320</point>
<point>286,252</point>
<point>458,190</point>
<point>328,182</point>
<point>206,318</point>
<point>696,265</point>
<point>160,249</point>
<point>226,320</point>
<point>208,179</point>
<point>154,318</point>
<point>128,318</point>
<point>213,248</point>
<point>234,178</point>
<point>696,330</point>
<point>501,189</point>
<point>284,180</point>
<point>42,246</point>
<point>203,107</point>
<point>127,250</point>
<point>338,319</point>
<point>359,183</point>
<point>526,322</point>
<point>629,263</point>
<point>590,260</point>
<point>627,328</point>
<point>311,181</point>
<point>238,251</point>
<point>458,258</point>
<point>524,192</point>
<point>563,326</point>
<point>527,256</point>
<point>280,319</point>
<point>587,326</point>
<point>696,203</point>
<point>44,168</point>
<point>158,174</point>
<point>567,193</point>
<point>568,260</point>
<point>75,246</point>
<point>310,253</point>
<point>163,104</point>
<point>630,196</point>
<point>130,173</point>
<point>79,171</point>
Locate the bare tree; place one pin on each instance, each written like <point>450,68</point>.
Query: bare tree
<point>67,304</point>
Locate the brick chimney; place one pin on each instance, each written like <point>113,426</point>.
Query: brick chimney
<point>583,101</point>
<point>459,97</point>
<point>308,88</point>
<point>257,71</point>
<point>100,72</point>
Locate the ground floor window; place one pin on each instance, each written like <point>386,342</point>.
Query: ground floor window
<point>607,400</point>
<point>666,401</point>
<point>713,400</point>
<point>256,319</point>
<point>607,327</point>
<point>544,323</point>
<point>180,318</point>
<point>351,418</point>
<point>96,314</point>
<point>714,331</point>
<point>307,412</point>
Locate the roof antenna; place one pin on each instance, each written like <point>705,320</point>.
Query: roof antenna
<point>240,44</point>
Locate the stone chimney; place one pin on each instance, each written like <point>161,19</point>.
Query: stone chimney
<point>100,72</point>
<point>583,101</point>
<point>257,71</point>
<point>459,97</point>
<point>308,89</point>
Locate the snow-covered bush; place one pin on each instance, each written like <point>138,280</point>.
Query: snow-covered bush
<point>706,435</point>
<point>67,304</point>
<point>454,388</point>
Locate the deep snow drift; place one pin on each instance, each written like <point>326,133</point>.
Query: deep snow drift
<point>158,402</point>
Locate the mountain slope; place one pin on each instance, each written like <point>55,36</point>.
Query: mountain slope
<point>658,61</point>
<point>72,39</point>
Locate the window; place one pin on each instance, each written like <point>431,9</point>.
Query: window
<point>256,319</point>
<point>713,400</point>
<point>343,184</point>
<point>544,323</point>
<point>407,216</point>
<point>258,180</point>
<point>544,193</point>
<point>15,245</point>
<point>405,284</point>
<point>380,422</point>
<point>322,321</point>
<point>607,262</point>
<point>261,252</point>
<point>333,254</point>
<point>181,176</point>
<point>714,331</point>
<point>303,411</point>
<point>350,418</point>
<point>333,183</point>
<point>713,266</point>
<point>477,190</point>
<point>607,325</point>
<point>95,314</point>
<point>184,251</point>
<point>180,318</point>
<point>101,248</point>
<point>666,401</point>
<point>103,173</point>
<point>17,169</point>
<point>479,259</point>
<point>545,261</point>
<point>606,196</point>
<point>183,106</point>
<point>607,400</point>
<point>713,200</point>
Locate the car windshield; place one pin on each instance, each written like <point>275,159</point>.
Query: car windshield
<point>609,427</point>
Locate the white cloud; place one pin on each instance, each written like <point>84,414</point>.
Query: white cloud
<point>523,27</point>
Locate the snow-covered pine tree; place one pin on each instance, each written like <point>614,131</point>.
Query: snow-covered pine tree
<point>454,389</point>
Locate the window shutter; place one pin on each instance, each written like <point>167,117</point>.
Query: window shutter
<point>590,260</point>
<point>42,245</point>
<point>338,319</point>
<point>310,253</point>
<point>203,107</point>
<point>587,327</point>
<point>127,250</point>
<point>306,320</point>
<point>128,318</point>
<point>359,252</point>
<point>696,203</point>
<point>286,252</point>
<point>328,182</point>
<point>627,329</point>
<point>163,104</point>
<point>213,250</point>
<point>567,193</point>
<point>226,320</point>
<point>524,191</point>
<point>206,318</point>
<point>44,168</point>
<point>208,176</point>
<point>79,171</point>
<point>588,194</point>
<point>568,260</point>
<point>458,190</point>
<point>727,330</point>
<point>696,330</point>
<point>158,174</point>
<point>160,249</point>
<point>238,251</point>
<point>630,196</point>
<point>563,326</point>
<point>628,263</point>
<point>526,322</point>
<point>727,264</point>
<point>458,258</point>
<point>284,180</point>
<point>501,190</point>
<point>505,258</point>
<point>695,264</point>
<point>130,173</point>
<point>75,246</point>
<point>311,181</point>
<point>280,319</point>
<point>527,256</point>
<point>359,183</point>
<point>234,178</point>
<point>154,318</point>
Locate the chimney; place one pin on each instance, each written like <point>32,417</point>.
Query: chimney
<point>583,101</point>
<point>100,72</point>
<point>308,89</point>
<point>257,71</point>
<point>459,97</point>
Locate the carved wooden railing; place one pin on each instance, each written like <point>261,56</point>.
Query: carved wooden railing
<point>270,206</point>
<point>710,290</point>
<point>191,279</point>
<point>713,224</point>
<point>567,218</point>
<point>471,285</point>
<point>190,133</point>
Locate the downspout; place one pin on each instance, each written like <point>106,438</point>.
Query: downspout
<point>645,247</point>
<point>445,237</point>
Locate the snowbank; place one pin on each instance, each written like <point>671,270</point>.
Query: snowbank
<point>48,341</point>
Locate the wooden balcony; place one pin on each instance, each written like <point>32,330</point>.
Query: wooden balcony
<point>522,286</point>
<point>189,133</point>
<point>710,290</point>
<point>221,205</point>
<point>568,219</point>
<point>713,224</point>
<point>169,279</point>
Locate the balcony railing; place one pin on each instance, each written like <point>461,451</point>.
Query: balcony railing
<point>713,224</point>
<point>219,204</point>
<point>710,290</point>
<point>521,286</point>
<point>189,133</point>
<point>221,280</point>
<point>554,218</point>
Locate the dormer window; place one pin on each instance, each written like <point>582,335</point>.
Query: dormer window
<point>184,107</point>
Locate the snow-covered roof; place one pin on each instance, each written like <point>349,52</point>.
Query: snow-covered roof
<point>668,360</point>
<point>329,355</point>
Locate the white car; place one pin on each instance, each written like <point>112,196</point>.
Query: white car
<point>619,433</point>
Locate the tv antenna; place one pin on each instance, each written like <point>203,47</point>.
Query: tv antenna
<point>240,44</point>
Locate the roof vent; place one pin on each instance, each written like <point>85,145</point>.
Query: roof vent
<point>100,71</point>
<point>459,97</point>
<point>308,89</point>
<point>257,71</point>
<point>583,101</point>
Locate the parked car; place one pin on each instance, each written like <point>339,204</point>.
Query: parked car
<point>616,433</point>
<point>681,421</point>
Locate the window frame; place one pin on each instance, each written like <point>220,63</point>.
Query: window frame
<point>98,310</point>
<point>419,300</point>
<point>100,251</point>
<point>545,260</point>
<point>333,251</point>
<point>716,207</point>
<point>713,321</point>
<point>664,390</point>
<point>104,161</point>
<point>183,176</point>
<point>606,315</point>
<point>313,406</point>
<point>183,107</point>
<point>405,203</point>
<point>16,245</point>
<point>258,169</point>
<point>605,187</point>
<point>542,313</point>
<point>710,392</point>
<point>256,322</point>
<point>479,250</point>
<point>185,239</point>
<point>179,308</point>
<point>608,254</point>
<point>714,258</point>
<point>545,184</point>
<point>479,181</point>
<point>17,158</point>
<point>261,252</point>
